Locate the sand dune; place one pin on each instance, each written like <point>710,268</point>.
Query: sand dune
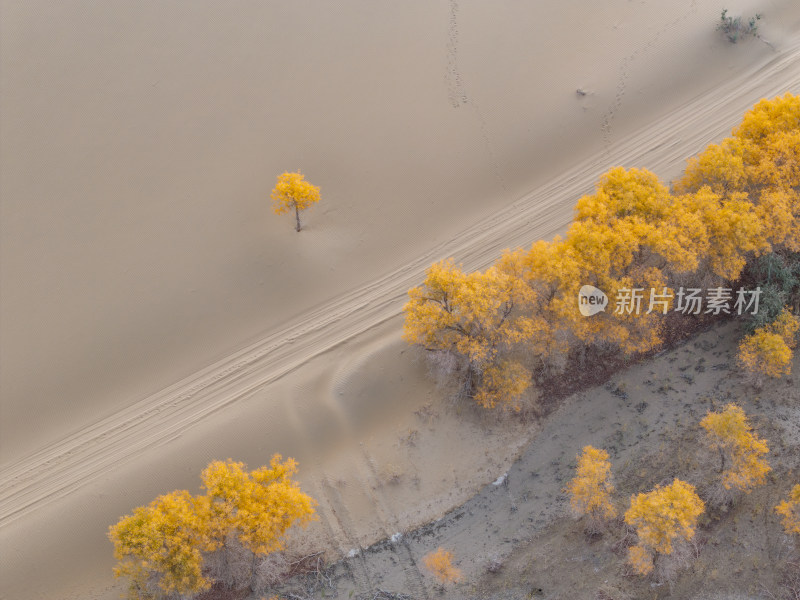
<point>502,170</point>
<point>62,466</point>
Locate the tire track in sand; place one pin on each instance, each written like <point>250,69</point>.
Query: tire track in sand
<point>68,463</point>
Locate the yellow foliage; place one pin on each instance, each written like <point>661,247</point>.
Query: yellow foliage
<point>260,505</point>
<point>293,192</point>
<point>737,200</point>
<point>720,168</point>
<point>440,564</point>
<point>664,515</point>
<point>165,541</point>
<point>764,353</point>
<point>730,432</point>
<point>732,230</point>
<point>770,133</point>
<point>503,383</point>
<point>629,235</point>
<point>779,209</point>
<point>641,559</point>
<point>471,314</point>
<point>165,538</point>
<point>768,350</point>
<point>786,325</point>
<point>645,223</point>
<point>590,490</point>
<point>761,163</point>
<point>549,270</point>
<point>790,511</point>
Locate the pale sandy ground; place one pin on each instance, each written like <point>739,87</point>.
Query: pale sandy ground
<point>139,144</point>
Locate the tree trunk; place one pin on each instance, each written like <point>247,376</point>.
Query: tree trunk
<point>297,217</point>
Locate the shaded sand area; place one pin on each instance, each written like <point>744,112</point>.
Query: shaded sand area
<point>137,250</point>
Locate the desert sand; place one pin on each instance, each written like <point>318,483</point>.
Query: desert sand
<point>155,315</point>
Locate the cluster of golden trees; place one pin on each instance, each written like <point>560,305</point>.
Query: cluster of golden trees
<point>639,242</point>
<point>165,547</point>
<point>667,516</point>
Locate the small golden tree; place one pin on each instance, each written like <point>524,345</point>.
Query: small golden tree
<point>662,517</point>
<point>293,192</point>
<point>159,547</point>
<point>440,564</point>
<point>742,462</point>
<point>590,490</point>
<point>790,511</point>
<point>768,350</point>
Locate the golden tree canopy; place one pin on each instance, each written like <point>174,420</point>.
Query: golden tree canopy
<point>768,350</point>
<point>160,546</point>
<point>293,192</point>
<point>591,488</point>
<point>163,541</point>
<point>731,432</point>
<point>259,505</point>
<point>662,517</point>
<point>471,314</point>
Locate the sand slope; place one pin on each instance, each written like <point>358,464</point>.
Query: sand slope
<point>139,145</point>
<point>61,466</point>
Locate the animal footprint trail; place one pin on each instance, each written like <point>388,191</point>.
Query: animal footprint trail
<point>455,89</point>
<point>624,71</point>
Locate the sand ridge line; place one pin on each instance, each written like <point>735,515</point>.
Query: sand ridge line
<point>66,464</point>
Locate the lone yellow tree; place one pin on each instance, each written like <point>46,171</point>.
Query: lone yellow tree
<point>742,462</point>
<point>440,564</point>
<point>662,517</point>
<point>590,490</point>
<point>293,192</point>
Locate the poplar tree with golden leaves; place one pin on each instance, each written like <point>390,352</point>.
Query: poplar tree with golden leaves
<point>759,163</point>
<point>475,319</point>
<point>630,234</point>
<point>548,269</point>
<point>293,192</point>
<point>662,518</point>
<point>743,465</point>
<point>440,564</point>
<point>767,352</point>
<point>257,506</point>
<point>590,490</point>
<point>160,546</point>
<point>163,548</point>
